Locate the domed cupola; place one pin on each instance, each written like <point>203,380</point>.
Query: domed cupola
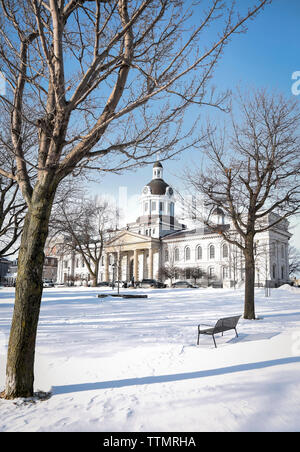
<point>157,186</point>
<point>157,201</point>
<point>218,215</point>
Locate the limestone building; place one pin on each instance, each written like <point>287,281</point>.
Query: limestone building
<point>157,240</point>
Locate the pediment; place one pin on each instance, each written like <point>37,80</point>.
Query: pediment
<point>128,238</point>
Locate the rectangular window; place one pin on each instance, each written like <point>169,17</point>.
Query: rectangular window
<point>225,272</point>
<point>172,209</point>
<point>166,255</point>
<point>153,205</point>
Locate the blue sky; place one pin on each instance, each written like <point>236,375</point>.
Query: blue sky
<point>266,56</point>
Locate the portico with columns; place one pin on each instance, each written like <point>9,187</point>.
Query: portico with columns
<point>133,255</point>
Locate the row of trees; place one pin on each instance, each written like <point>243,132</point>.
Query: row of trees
<point>171,272</point>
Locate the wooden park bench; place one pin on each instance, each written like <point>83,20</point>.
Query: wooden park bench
<point>225,324</point>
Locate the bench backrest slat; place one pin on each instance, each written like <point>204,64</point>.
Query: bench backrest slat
<point>227,322</point>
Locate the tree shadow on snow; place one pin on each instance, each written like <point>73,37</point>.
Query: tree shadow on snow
<point>67,389</point>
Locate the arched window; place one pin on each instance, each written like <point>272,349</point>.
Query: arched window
<point>225,250</point>
<point>187,253</point>
<point>176,254</point>
<point>199,253</point>
<point>211,252</point>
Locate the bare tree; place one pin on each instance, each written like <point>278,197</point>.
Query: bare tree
<point>12,213</point>
<point>195,273</point>
<point>12,205</point>
<point>105,85</point>
<point>82,226</point>
<point>253,175</point>
<point>294,261</point>
<point>169,271</point>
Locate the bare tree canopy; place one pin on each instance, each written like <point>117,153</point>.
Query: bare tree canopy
<point>253,174</point>
<point>82,73</point>
<point>12,212</point>
<point>81,226</point>
<point>12,208</point>
<point>294,261</point>
<point>105,85</point>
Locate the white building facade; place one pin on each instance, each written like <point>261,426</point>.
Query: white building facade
<point>158,240</point>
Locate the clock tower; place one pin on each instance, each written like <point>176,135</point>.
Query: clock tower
<point>157,206</point>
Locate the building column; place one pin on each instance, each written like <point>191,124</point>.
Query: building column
<point>145,269</point>
<point>135,265</point>
<point>106,274</point>
<point>150,263</point>
<point>127,276</point>
<point>119,266</point>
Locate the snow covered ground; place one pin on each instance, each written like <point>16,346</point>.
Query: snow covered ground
<point>121,365</point>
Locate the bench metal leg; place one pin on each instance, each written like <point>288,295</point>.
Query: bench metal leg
<point>236,332</point>
<point>214,340</point>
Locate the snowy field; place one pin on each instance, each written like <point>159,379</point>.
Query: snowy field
<point>133,365</point>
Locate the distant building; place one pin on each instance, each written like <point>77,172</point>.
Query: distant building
<point>49,270</point>
<point>158,239</point>
<point>4,266</point>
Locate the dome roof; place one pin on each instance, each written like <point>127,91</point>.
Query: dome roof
<point>218,211</point>
<point>158,186</point>
<point>157,165</point>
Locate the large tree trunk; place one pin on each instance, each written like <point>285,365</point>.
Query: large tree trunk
<point>95,275</point>
<point>29,287</point>
<point>249,308</point>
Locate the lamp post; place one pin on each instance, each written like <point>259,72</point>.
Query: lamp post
<point>115,266</point>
